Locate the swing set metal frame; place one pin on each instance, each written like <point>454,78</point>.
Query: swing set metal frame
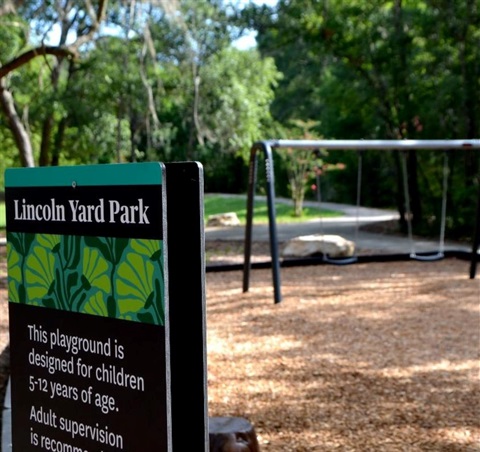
<point>267,147</point>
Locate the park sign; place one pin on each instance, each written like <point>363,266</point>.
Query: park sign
<point>92,367</point>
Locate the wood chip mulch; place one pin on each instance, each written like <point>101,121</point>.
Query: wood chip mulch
<point>378,357</point>
<point>364,357</point>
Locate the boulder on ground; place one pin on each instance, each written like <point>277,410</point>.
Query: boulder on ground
<point>223,219</point>
<point>309,245</point>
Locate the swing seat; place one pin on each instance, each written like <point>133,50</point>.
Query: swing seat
<point>339,260</point>
<point>427,257</point>
<point>433,256</point>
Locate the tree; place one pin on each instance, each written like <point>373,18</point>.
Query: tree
<point>379,70</point>
<point>83,22</point>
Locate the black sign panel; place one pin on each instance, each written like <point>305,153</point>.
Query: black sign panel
<point>88,381</point>
<point>108,211</point>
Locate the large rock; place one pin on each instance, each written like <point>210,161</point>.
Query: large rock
<point>308,245</point>
<point>223,219</point>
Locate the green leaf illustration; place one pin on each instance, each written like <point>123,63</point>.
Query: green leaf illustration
<point>95,270</point>
<point>49,241</point>
<point>85,283</point>
<point>13,294</point>
<point>49,302</point>
<point>111,307</point>
<point>160,295</point>
<point>145,317</point>
<point>102,245</point>
<point>18,246</point>
<point>111,248</point>
<point>13,263</point>
<point>39,272</point>
<point>21,242</point>
<point>156,256</point>
<point>149,302</point>
<point>51,289</point>
<point>72,279</point>
<point>134,283</point>
<point>78,302</point>
<point>96,305</point>
<point>119,247</point>
<point>148,248</point>
<point>71,250</point>
<point>21,293</point>
<point>14,241</point>
<point>104,276</point>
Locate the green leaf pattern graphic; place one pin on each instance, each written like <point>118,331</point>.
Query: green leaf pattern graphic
<point>135,286</point>
<point>95,270</point>
<point>152,250</point>
<point>97,305</point>
<point>14,272</point>
<point>39,273</point>
<point>109,277</point>
<point>51,242</point>
<point>18,247</point>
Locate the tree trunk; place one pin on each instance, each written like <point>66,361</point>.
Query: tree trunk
<point>17,128</point>
<point>298,207</point>
<point>44,159</point>
<point>195,135</point>
<point>57,147</point>
<point>118,145</point>
<point>298,195</point>
<point>49,122</point>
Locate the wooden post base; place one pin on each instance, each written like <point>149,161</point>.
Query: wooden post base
<point>232,434</point>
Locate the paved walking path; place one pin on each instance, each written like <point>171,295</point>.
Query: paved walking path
<point>347,226</point>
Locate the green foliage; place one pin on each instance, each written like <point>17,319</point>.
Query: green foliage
<point>8,158</point>
<point>237,92</point>
<point>13,36</point>
<point>224,173</point>
<point>167,85</point>
<point>304,166</point>
<point>381,70</point>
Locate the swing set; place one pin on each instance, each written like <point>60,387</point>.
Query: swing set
<point>360,145</point>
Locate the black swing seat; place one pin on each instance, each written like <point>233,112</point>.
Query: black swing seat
<point>339,260</point>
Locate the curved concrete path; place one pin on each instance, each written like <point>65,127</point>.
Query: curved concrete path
<point>347,226</point>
